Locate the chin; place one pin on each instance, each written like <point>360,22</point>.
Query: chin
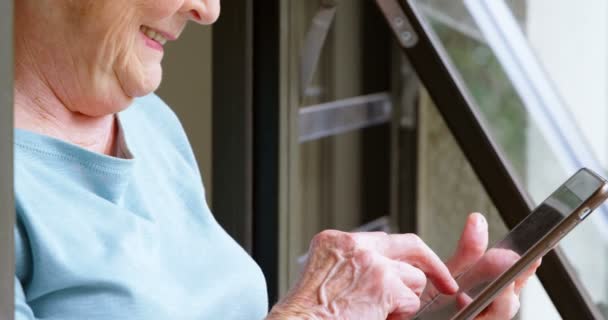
<point>118,95</point>
<point>143,85</point>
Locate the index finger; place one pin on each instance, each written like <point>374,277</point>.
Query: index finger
<point>411,249</point>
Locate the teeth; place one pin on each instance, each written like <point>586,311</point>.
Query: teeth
<point>153,35</point>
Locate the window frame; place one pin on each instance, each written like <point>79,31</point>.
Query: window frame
<point>7,207</point>
<point>233,122</point>
<point>493,170</point>
<point>269,126</point>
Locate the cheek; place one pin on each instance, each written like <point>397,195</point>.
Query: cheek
<point>137,68</point>
<point>141,75</point>
<point>122,63</point>
<point>121,60</point>
<point>114,27</point>
<point>159,9</point>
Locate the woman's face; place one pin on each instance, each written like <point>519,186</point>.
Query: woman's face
<point>103,52</point>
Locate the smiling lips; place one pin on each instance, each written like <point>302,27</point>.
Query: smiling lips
<point>154,39</point>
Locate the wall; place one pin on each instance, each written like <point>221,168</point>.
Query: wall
<point>570,41</point>
<point>187,89</point>
<point>447,186</point>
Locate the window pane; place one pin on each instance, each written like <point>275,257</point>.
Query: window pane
<point>537,72</point>
<point>341,181</point>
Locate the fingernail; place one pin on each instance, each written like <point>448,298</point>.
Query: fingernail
<point>480,222</point>
<point>455,286</point>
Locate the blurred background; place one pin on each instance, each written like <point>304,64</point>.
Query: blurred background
<point>307,115</point>
<point>400,169</point>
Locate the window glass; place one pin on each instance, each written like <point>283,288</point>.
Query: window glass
<point>537,72</point>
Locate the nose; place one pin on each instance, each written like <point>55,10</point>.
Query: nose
<point>201,11</point>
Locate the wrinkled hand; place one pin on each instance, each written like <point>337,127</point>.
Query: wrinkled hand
<point>372,276</point>
<point>471,248</point>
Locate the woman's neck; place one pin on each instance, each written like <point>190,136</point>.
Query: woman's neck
<point>39,109</point>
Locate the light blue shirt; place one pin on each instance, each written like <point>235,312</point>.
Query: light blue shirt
<point>100,237</point>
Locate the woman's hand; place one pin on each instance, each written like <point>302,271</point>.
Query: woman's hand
<point>471,248</point>
<point>364,276</point>
<point>379,276</point>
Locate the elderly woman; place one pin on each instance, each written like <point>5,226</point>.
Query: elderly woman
<point>112,221</point>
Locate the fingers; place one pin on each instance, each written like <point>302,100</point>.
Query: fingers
<point>490,266</point>
<point>463,300</point>
<point>402,283</point>
<point>504,307</point>
<point>412,277</point>
<point>407,303</point>
<point>471,246</point>
<point>521,281</point>
<point>507,304</point>
<point>411,249</point>
<point>422,257</point>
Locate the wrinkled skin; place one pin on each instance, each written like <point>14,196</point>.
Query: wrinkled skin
<point>92,53</point>
<point>375,276</point>
<point>78,62</point>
